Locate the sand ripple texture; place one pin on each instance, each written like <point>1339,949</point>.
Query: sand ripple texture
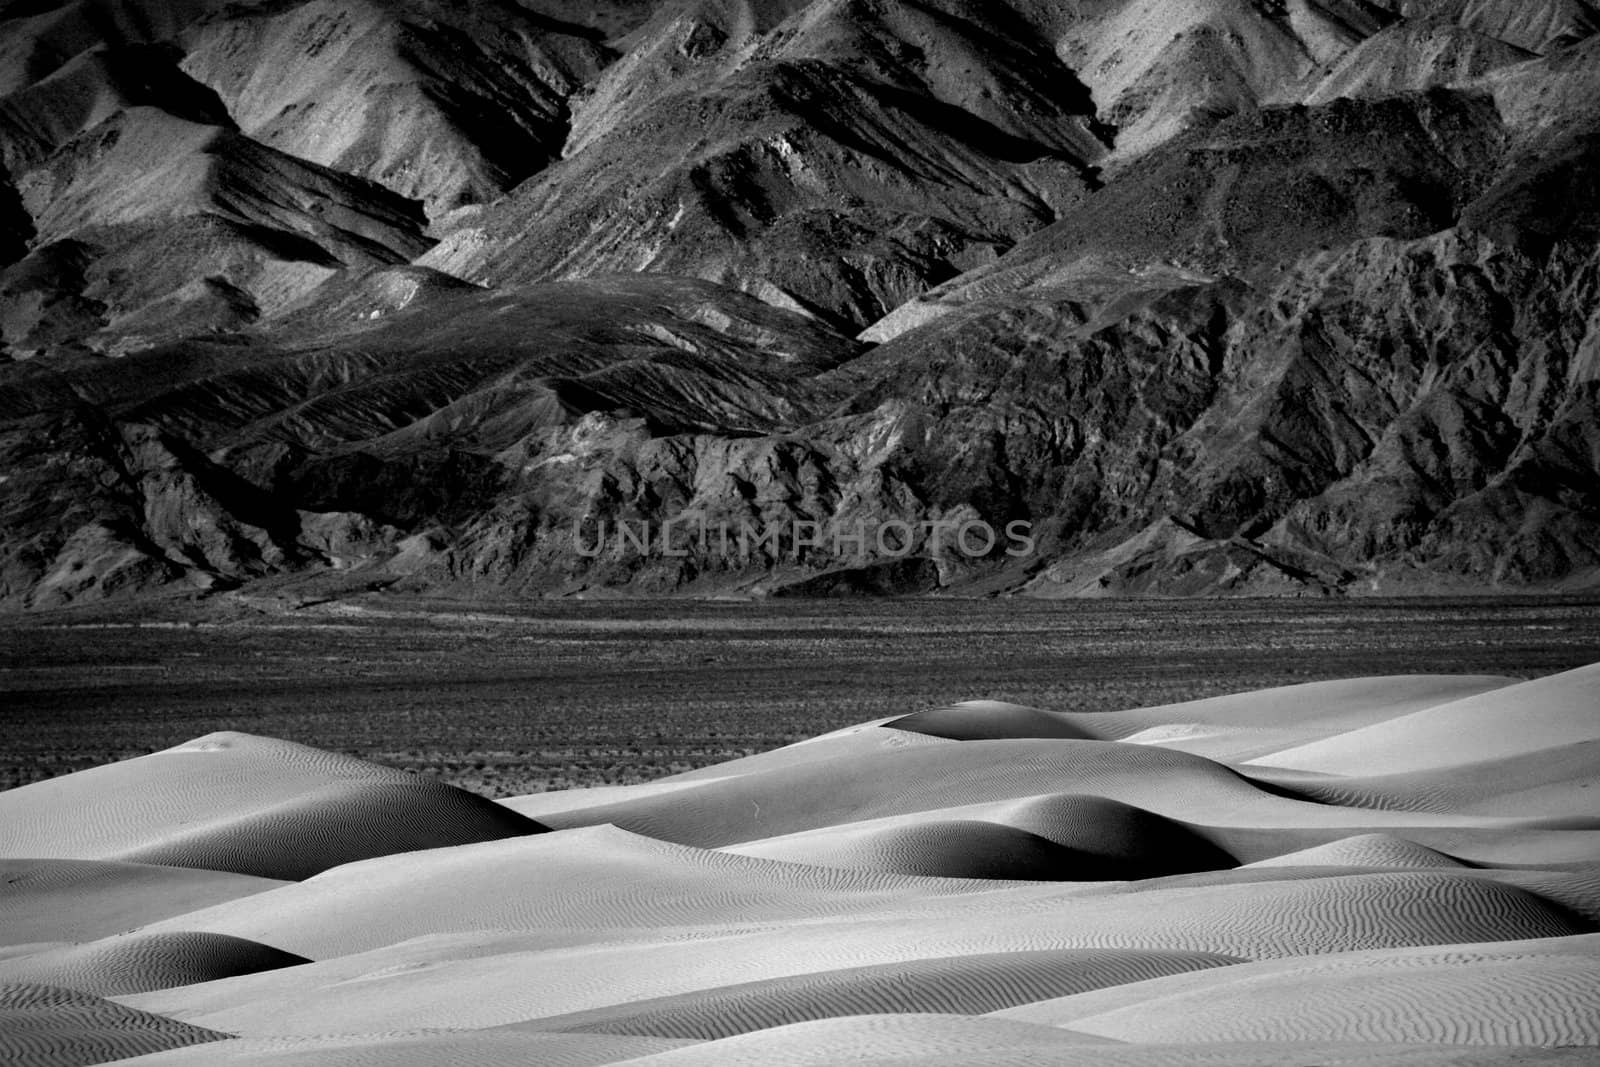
<point>79,900</point>
<point>47,1026</point>
<point>1538,993</point>
<point>1397,871</point>
<point>966,985</point>
<point>138,963</point>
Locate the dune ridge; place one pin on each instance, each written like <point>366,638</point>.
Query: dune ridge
<point>246,804</point>
<point>953,1041</point>
<point>137,963</point>
<point>47,1026</point>
<point>1513,993</point>
<point>1395,871</point>
<point>963,985</point>
<point>80,900</point>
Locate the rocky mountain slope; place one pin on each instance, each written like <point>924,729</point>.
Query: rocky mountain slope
<point>777,296</point>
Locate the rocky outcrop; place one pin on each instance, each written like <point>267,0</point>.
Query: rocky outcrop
<point>447,104</point>
<point>1535,25</point>
<point>99,510</point>
<point>1158,70</point>
<point>93,87</point>
<point>1247,196</point>
<point>149,226</point>
<point>838,164</point>
<point>1415,55</point>
<point>43,37</point>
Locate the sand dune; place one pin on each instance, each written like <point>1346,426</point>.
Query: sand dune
<point>138,963</point>
<point>577,954</point>
<point>991,720</point>
<point>841,804</point>
<point>1342,704</point>
<point>1516,993</point>
<point>788,798</point>
<point>1233,727</point>
<point>1394,871</point>
<point>1576,888</point>
<point>79,900</point>
<point>1365,850</point>
<point>1061,837</point>
<point>952,848</point>
<point>480,1048</point>
<point>540,805</point>
<point>1546,713</point>
<point>50,1027</point>
<point>850,741</point>
<point>595,878</point>
<point>1531,783</point>
<point>908,1039</point>
<point>251,805</point>
<point>965,985</point>
<point>958,1041</point>
<point>1293,710</point>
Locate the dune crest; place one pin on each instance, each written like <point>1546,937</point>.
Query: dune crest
<point>251,805</point>
<point>47,1026</point>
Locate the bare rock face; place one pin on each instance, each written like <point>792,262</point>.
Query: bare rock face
<point>447,104</point>
<point>43,37</point>
<point>176,227</point>
<point>1415,55</point>
<point>98,511</point>
<point>1538,26</point>
<point>95,86</point>
<point>149,215</point>
<point>42,301</point>
<point>1159,70</point>
<point>1248,195</point>
<point>832,157</point>
<point>435,418</point>
<point>798,297</point>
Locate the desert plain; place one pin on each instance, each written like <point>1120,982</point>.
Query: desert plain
<point>1118,833</point>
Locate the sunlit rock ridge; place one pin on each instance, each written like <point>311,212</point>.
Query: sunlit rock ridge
<point>756,297</point>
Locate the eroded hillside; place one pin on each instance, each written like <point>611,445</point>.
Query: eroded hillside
<point>1220,296</point>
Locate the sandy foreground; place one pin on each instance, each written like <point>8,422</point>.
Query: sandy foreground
<point>1396,870</point>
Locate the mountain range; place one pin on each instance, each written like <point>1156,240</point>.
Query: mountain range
<point>304,298</point>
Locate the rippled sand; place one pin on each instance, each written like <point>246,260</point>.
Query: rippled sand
<point>1399,870</point>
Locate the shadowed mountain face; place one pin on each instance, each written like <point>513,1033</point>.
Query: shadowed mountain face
<point>836,158</point>
<point>450,104</point>
<point>777,296</point>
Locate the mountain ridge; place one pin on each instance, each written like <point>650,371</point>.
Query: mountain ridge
<point>1213,298</point>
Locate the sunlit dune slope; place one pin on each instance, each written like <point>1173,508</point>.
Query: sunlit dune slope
<point>1394,871</point>
<point>252,805</point>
